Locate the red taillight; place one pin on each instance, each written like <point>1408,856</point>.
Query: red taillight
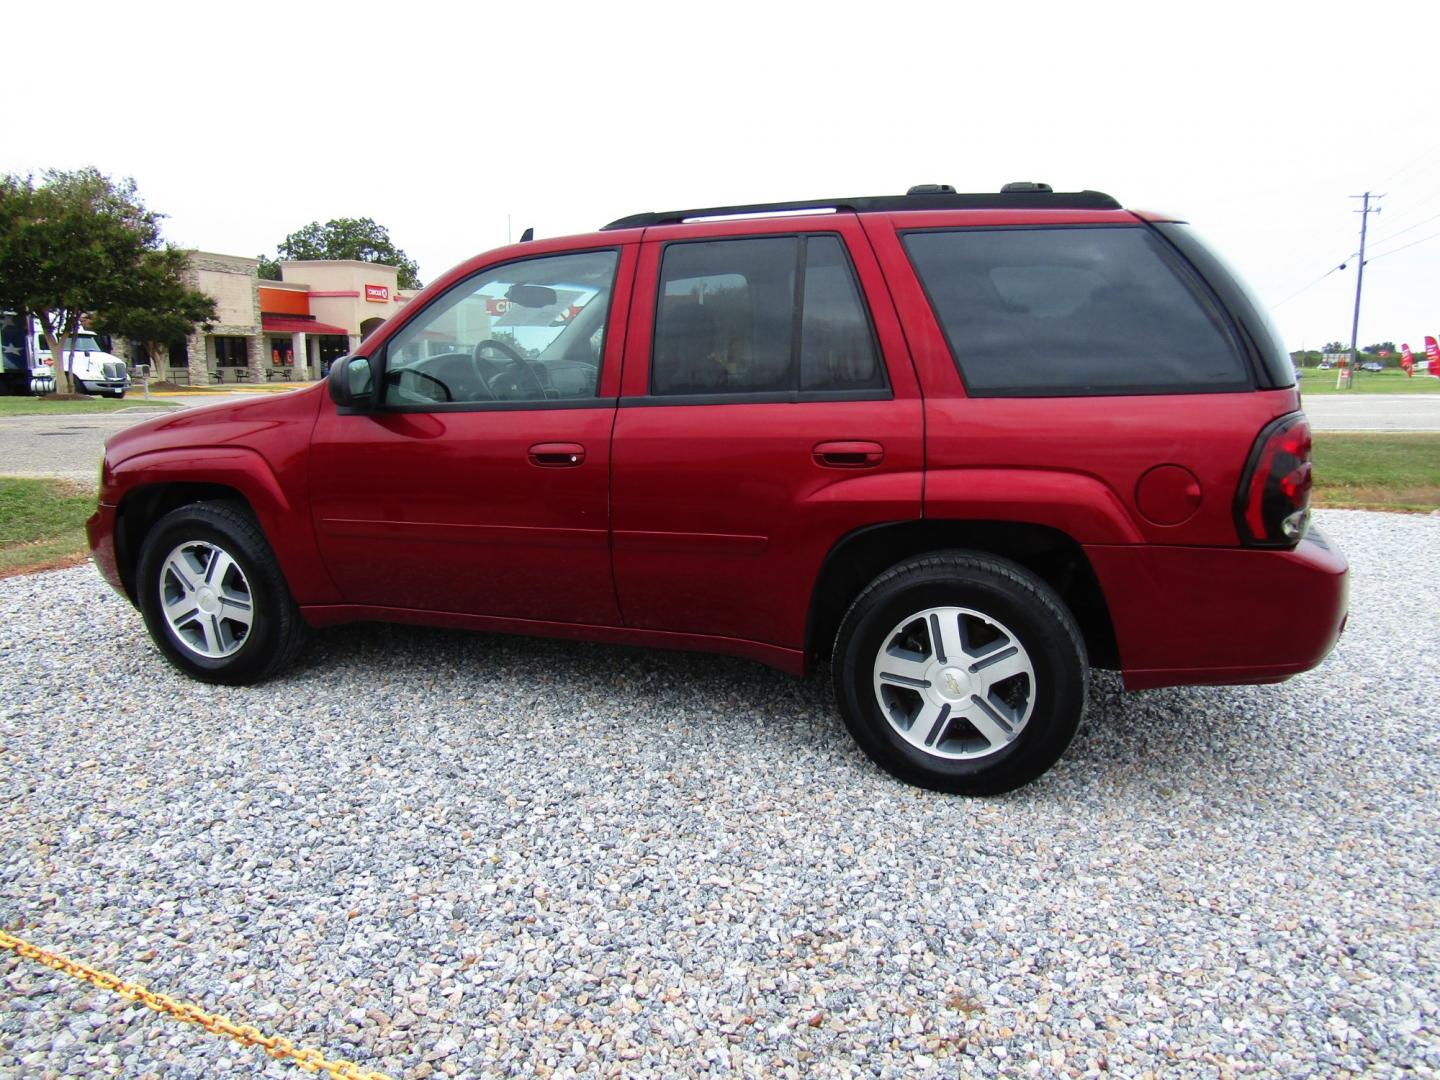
<point>1272,507</point>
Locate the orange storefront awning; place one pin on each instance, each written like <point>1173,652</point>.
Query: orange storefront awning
<point>282,324</point>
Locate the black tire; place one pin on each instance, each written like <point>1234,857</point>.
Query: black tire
<point>1003,595</point>
<point>276,631</point>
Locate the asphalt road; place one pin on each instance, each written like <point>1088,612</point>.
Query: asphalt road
<point>1373,412</point>
<point>71,446</point>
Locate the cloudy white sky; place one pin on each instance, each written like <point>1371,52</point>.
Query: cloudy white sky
<point>1257,121</point>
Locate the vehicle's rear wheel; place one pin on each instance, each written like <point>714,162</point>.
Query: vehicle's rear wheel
<point>960,672</point>
<point>213,596</point>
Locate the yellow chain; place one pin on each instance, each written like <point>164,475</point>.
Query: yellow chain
<point>274,1045</point>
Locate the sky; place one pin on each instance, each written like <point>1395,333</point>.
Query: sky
<point>458,125</point>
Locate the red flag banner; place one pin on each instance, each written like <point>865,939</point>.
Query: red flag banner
<point>1407,361</point>
<point>1432,352</point>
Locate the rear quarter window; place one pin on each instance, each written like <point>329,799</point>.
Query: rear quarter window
<point>1074,311</point>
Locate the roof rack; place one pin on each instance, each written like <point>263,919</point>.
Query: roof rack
<point>1017,196</point>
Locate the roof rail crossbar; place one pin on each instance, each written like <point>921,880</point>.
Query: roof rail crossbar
<point>920,200</point>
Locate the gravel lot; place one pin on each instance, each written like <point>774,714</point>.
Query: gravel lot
<point>454,855</point>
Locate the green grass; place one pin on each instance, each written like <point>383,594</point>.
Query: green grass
<point>1378,471</point>
<point>1394,381</point>
<point>39,406</point>
<point>42,523</point>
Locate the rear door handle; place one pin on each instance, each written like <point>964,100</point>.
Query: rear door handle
<point>848,455</point>
<point>557,455</point>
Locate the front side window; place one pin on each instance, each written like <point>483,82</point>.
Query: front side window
<point>1074,311</point>
<point>532,330</point>
<point>765,315</point>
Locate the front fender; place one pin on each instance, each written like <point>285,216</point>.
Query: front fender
<point>245,471</point>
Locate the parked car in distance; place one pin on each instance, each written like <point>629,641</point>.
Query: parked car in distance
<point>1372,365</point>
<point>960,448</point>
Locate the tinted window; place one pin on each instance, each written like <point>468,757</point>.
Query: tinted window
<point>837,350</point>
<point>1238,298</point>
<point>1074,311</point>
<point>526,331</point>
<point>731,319</point>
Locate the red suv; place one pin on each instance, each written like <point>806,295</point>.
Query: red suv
<point>962,447</point>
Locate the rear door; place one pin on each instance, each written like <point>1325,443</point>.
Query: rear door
<point>769,409</point>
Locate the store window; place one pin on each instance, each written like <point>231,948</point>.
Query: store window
<point>231,352</point>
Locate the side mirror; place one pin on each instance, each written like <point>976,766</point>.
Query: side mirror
<point>352,383</point>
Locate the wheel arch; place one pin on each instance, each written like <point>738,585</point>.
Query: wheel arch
<point>143,506</point>
<point>1053,556</point>
<point>146,487</point>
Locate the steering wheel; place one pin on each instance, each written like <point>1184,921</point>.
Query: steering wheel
<point>516,378</point>
<point>509,351</point>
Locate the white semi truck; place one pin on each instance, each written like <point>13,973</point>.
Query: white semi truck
<point>93,370</point>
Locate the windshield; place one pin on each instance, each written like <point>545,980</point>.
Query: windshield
<point>81,343</point>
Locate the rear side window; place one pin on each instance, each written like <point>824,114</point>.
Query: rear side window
<point>775,315</point>
<point>1073,311</point>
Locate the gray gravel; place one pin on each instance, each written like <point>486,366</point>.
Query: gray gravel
<point>459,855</point>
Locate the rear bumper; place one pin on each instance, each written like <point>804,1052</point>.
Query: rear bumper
<point>1186,616</point>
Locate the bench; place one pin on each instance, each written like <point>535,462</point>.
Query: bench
<point>285,374</point>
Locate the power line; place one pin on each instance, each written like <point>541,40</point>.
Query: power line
<point>1402,247</point>
<point>1402,232</point>
<point>1398,232</point>
<point>1307,288</point>
<point>1411,163</point>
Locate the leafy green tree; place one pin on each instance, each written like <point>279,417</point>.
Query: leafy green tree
<point>268,269</point>
<point>156,306</point>
<point>344,238</point>
<point>70,245</point>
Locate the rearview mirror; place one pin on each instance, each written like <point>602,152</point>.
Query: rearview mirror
<point>531,296</point>
<point>352,383</point>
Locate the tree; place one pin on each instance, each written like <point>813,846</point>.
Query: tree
<point>68,246</point>
<point>344,238</point>
<point>156,306</point>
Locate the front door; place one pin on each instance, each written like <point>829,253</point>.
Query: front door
<point>480,485</point>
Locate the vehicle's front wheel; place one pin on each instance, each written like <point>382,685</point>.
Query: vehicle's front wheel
<point>961,672</point>
<point>213,596</point>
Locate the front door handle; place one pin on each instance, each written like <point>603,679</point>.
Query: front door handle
<point>557,455</point>
<point>848,455</point>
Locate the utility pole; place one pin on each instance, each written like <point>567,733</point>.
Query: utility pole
<point>1365,211</point>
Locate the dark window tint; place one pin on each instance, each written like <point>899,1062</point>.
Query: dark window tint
<point>761,316</point>
<point>837,351</point>
<point>1073,311</point>
<point>1238,299</point>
